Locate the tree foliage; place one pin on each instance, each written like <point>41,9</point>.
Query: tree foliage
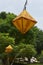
<point>27,50</point>
<point>5,40</point>
<point>39,41</point>
<point>23,44</point>
<point>3,15</point>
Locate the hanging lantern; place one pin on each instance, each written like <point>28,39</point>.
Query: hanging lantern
<point>8,49</point>
<point>24,21</point>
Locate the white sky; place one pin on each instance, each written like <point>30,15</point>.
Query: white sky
<point>34,7</point>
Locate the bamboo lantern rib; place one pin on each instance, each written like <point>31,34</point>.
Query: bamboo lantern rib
<point>24,21</point>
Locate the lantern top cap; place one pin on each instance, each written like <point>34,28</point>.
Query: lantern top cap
<point>25,14</point>
<point>9,47</point>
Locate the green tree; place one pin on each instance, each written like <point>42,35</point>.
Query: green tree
<point>3,15</point>
<point>22,50</point>
<point>5,40</point>
<point>39,41</point>
<point>9,33</point>
<point>27,51</point>
<point>6,24</point>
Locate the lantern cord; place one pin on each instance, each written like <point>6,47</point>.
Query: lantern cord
<point>25,5</point>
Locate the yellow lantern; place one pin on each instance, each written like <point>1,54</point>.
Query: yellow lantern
<point>24,22</point>
<point>8,49</point>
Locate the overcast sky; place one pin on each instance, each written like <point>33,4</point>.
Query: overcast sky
<point>34,7</point>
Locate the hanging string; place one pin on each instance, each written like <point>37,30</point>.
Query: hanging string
<point>25,5</point>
